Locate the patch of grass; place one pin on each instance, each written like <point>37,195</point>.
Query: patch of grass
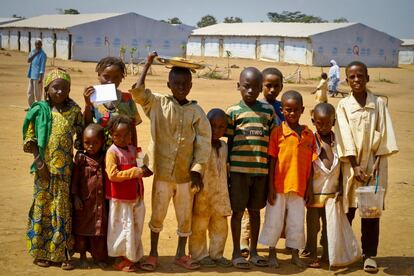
<point>385,80</point>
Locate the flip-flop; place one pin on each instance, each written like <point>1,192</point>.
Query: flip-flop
<point>241,263</point>
<point>315,264</point>
<point>370,265</point>
<point>187,263</point>
<point>41,263</point>
<point>125,265</point>
<point>150,263</point>
<point>67,265</point>
<point>223,262</point>
<point>207,262</point>
<point>258,261</point>
<point>245,252</point>
<point>272,262</point>
<point>305,253</point>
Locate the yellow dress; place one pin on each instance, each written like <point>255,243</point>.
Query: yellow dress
<point>50,222</point>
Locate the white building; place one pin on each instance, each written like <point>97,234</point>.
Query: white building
<point>406,55</point>
<point>303,43</point>
<point>90,37</point>
<point>5,20</point>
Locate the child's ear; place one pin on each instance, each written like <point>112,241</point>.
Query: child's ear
<point>238,86</point>
<point>168,85</point>
<point>303,109</point>
<point>367,78</point>
<point>313,121</point>
<point>334,121</point>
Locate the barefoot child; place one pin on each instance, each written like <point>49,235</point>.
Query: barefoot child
<point>111,70</point>
<point>365,139</point>
<point>48,131</point>
<point>322,90</point>
<point>179,149</point>
<point>250,122</point>
<point>125,193</point>
<point>325,181</point>
<point>90,216</point>
<point>212,204</point>
<point>292,149</point>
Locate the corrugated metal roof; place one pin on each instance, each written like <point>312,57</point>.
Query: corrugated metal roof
<point>407,41</point>
<point>4,20</point>
<point>59,21</point>
<point>269,29</point>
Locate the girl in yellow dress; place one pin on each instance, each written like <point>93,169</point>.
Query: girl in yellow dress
<point>48,131</point>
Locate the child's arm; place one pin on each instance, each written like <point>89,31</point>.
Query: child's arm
<point>116,175</point>
<point>76,175</point>
<point>87,114</point>
<point>150,60</point>
<point>30,146</point>
<point>309,188</point>
<point>359,173</point>
<point>271,196</point>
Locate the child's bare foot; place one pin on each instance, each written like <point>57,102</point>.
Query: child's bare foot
<point>296,260</point>
<point>272,259</point>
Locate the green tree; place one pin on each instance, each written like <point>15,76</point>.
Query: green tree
<point>232,19</point>
<point>71,11</point>
<point>206,20</point>
<point>340,20</point>
<point>297,16</point>
<point>174,20</point>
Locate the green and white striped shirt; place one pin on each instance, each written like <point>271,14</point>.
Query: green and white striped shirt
<point>248,132</point>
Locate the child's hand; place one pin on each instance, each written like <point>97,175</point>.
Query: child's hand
<point>271,197</point>
<point>29,147</point>
<point>338,196</point>
<point>375,168</point>
<point>196,182</point>
<point>77,202</point>
<point>147,172</point>
<point>87,95</point>
<point>359,174</point>
<point>151,57</point>
<point>42,170</point>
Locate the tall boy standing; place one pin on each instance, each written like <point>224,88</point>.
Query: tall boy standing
<point>179,149</point>
<point>250,122</point>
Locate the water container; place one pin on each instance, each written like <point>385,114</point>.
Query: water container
<point>370,204</point>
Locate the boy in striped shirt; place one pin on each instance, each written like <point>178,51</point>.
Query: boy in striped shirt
<point>250,122</point>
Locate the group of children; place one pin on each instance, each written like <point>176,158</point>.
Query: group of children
<point>270,160</point>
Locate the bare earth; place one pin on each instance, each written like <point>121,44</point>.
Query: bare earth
<point>396,249</point>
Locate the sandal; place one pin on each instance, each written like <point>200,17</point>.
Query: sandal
<point>245,252</point>
<point>150,263</point>
<point>223,262</point>
<point>125,265</point>
<point>315,264</point>
<point>258,261</point>
<point>207,262</point>
<point>187,263</point>
<point>41,263</point>
<point>241,263</point>
<point>305,253</point>
<point>66,265</point>
<point>370,265</point>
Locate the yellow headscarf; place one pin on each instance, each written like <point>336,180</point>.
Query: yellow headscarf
<point>57,73</point>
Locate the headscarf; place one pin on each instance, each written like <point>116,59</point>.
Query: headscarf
<point>55,74</point>
<point>334,70</point>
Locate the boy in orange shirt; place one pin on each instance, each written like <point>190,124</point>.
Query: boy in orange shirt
<point>292,149</point>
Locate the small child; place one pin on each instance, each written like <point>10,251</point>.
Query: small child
<point>111,70</point>
<point>272,86</point>
<point>365,139</point>
<point>325,181</point>
<point>292,149</point>
<point>48,131</point>
<point>250,122</point>
<point>180,147</point>
<point>322,90</point>
<point>212,204</point>
<point>125,192</point>
<point>90,216</point>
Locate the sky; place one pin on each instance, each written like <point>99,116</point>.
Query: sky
<point>395,17</point>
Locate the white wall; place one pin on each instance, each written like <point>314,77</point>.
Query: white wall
<point>242,47</point>
<point>295,50</point>
<point>211,47</point>
<point>13,39</point>
<point>406,55</point>
<point>269,48</point>
<point>356,42</point>
<point>194,46</point>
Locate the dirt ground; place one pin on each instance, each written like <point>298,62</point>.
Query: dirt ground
<point>396,248</point>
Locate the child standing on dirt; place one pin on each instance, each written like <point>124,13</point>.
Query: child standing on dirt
<point>90,216</point>
<point>250,122</point>
<point>322,90</point>
<point>212,204</point>
<point>48,131</point>
<point>325,181</point>
<point>366,139</point>
<point>179,151</point>
<point>292,149</point>
<point>125,192</point>
<point>111,70</point>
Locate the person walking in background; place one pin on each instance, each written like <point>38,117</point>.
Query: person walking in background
<point>334,77</point>
<point>35,73</point>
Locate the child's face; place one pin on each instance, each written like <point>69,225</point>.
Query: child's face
<point>111,74</point>
<point>357,79</point>
<point>218,128</point>
<point>92,142</point>
<point>58,91</point>
<point>323,122</point>
<point>292,109</point>
<point>272,85</point>
<point>180,86</point>
<point>250,87</point>
<point>121,135</point>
